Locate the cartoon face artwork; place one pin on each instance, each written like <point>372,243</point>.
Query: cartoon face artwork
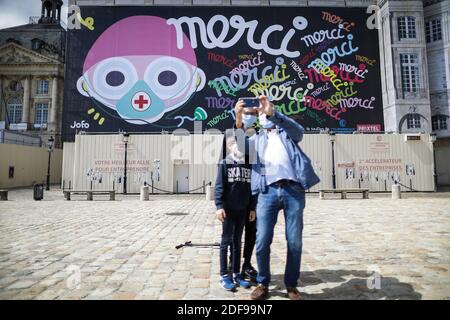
<point>135,68</point>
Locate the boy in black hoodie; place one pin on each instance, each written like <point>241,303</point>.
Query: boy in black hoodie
<point>233,197</point>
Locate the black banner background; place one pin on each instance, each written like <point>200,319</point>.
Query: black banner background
<point>361,109</point>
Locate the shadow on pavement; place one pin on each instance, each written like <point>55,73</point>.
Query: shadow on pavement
<point>355,288</point>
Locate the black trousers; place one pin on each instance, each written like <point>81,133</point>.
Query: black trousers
<point>232,228</point>
<point>249,242</point>
<point>250,239</point>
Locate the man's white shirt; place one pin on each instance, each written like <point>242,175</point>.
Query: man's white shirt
<point>277,163</point>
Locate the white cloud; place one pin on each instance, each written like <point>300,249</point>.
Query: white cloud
<point>11,19</point>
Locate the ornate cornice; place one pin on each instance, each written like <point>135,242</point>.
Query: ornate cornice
<point>14,54</point>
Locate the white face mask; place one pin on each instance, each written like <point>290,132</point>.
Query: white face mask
<point>248,120</point>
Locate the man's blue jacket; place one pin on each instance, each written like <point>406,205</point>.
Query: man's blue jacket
<point>291,133</point>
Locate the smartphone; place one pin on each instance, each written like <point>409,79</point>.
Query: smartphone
<point>250,102</point>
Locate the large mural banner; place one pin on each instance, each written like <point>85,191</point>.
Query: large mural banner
<point>154,69</point>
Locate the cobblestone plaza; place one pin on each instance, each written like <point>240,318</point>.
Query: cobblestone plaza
<point>125,249</point>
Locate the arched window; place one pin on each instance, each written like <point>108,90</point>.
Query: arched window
<point>14,109</point>
<point>36,44</point>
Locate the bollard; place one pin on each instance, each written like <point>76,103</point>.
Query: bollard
<point>209,193</point>
<point>396,193</point>
<point>144,193</point>
<point>38,192</point>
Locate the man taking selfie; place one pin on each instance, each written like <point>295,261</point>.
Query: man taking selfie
<point>281,173</point>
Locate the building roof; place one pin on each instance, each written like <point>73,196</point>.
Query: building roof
<point>36,27</point>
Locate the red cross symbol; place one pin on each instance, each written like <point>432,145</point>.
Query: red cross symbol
<point>141,101</point>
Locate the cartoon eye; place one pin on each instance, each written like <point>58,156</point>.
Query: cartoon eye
<point>168,77</point>
<point>114,77</point>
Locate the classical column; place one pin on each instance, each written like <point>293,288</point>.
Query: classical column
<point>26,101</point>
<point>53,110</point>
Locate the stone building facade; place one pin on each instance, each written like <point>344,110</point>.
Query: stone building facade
<point>32,74</point>
<point>414,48</point>
<point>437,33</point>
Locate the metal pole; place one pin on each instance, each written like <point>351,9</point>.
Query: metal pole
<point>125,170</point>
<point>333,168</point>
<point>48,171</point>
<point>433,140</point>
<point>435,176</point>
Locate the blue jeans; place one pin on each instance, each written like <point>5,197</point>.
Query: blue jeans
<point>290,198</point>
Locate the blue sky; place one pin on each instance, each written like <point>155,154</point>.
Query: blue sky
<point>17,12</point>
